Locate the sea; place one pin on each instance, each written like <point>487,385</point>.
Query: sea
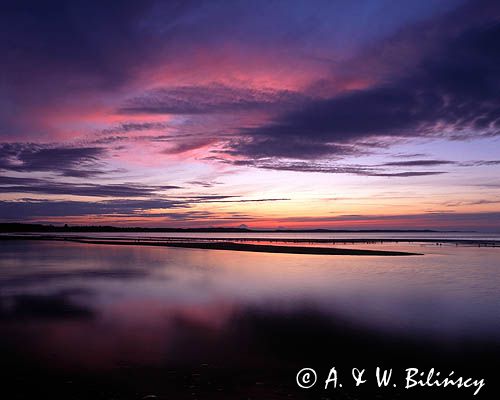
<point>103,321</point>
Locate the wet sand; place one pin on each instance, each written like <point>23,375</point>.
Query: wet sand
<point>220,245</point>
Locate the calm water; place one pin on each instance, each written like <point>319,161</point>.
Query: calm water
<point>298,235</point>
<point>132,321</point>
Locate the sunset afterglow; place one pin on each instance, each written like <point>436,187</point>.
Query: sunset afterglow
<point>384,115</point>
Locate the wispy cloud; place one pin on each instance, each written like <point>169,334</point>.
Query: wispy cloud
<point>66,161</point>
<point>46,186</point>
<point>213,98</point>
<point>417,163</point>
<point>446,220</point>
<point>31,208</point>
<point>129,127</point>
<point>480,163</point>
<point>26,209</point>
<point>331,168</point>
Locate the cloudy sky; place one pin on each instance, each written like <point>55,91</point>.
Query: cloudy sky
<point>296,114</point>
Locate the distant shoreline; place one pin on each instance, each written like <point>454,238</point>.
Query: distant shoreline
<point>20,227</point>
<point>214,245</point>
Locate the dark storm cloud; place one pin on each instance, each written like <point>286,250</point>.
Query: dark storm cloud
<point>67,161</point>
<point>215,98</point>
<point>46,186</point>
<point>454,93</point>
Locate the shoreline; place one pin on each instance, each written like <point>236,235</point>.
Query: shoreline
<point>228,245</point>
<point>340,240</point>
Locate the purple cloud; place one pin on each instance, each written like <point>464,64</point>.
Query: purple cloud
<point>66,161</point>
<point>214,98</point>
<point>453,93</point>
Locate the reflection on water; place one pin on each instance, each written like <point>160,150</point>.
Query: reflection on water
<point>104,308</point>
<point>339,236</point>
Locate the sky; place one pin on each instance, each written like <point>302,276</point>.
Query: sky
<point>267,114</point>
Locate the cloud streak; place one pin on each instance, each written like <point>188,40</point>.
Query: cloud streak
<point>213,98</point>
<point>417,163</point>
<point>45,186</point>
<point>67,161</point>
<point>331,168</point>
<point>27,209</point>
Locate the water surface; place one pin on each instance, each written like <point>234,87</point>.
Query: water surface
<point>194,319</point>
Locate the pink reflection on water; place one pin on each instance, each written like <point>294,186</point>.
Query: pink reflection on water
<point>106,306</point>
<point>129,333</point>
